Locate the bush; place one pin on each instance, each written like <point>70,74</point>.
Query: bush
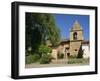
<point>45,59</point>
<point>45,53</point>
<point>72,56</point>
<point>60,55</point>
<point>80,53</point>
<point>44,49</point>
<point>32,58</point>
<point>43,56</point>
<point>75,61</point>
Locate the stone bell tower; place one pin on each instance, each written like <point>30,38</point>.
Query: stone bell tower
<point>76,38</point>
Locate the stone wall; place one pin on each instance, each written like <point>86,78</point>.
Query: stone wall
<point>74,47</point>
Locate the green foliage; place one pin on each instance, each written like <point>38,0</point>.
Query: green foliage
<point>43,55</point>
<point>60,55</point>
<point>72,56</point>
<point>43,49</point>
<point>74,61</point>
<point>32,58</point>
<point>45,59</point>
<point>39,28</point>
<point>33,36</point>
<point>78,61</point>
<point>80,53</point>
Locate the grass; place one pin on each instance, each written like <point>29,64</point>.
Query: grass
<point>31,58</point>
<point>78,61</point>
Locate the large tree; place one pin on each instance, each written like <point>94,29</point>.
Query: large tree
<point>41,27</point>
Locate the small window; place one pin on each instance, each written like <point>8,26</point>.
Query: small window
<point>75,49</point>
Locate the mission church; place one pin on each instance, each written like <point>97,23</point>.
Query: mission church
<point>73,45</point>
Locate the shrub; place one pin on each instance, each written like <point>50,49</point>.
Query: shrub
<point>75,61</point>
<point>72,56</point>
<point>43,49</point>
<point>45,59</point>
<point>60,55</point>
<point>32,58</point>
<point>43,55</point>
<point>36,57</point>
<point>80,53</point>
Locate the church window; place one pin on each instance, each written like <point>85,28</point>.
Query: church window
<point>75,35</point>
<point>75,49</point>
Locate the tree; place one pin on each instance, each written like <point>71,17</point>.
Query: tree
<point>40,27</point>
<point>80,53</point>
<point>33,35</point>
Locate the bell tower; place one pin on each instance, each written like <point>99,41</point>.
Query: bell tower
<point>76,38</point>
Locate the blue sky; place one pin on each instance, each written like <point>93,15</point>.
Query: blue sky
<point>65,22</point>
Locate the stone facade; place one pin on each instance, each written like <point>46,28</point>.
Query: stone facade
<point>74,47</point>
<point>76,38</point>
<point>71,46</point>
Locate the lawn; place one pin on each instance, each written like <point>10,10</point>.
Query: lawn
<point>78,61</point>
<point>70,62</point>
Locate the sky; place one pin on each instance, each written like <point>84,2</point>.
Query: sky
<point>65,22</point>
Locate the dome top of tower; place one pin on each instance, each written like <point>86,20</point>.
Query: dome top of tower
<point>76,26</point>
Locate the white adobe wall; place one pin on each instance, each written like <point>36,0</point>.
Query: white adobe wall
<point>86,51</point>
